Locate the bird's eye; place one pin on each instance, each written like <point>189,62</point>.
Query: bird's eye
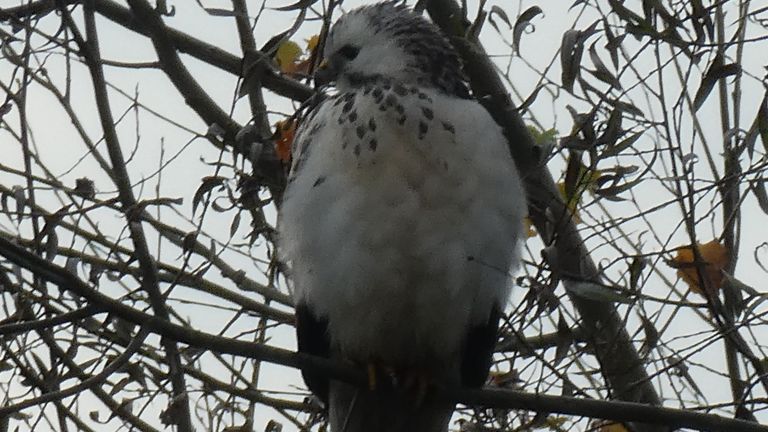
<point>349,52</point>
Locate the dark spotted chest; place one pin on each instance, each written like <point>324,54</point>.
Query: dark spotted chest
<point>362,114</point>
<point>400,105</point>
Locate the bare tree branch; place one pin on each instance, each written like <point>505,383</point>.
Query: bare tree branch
<point>492,398</point>
<point>604,328</point>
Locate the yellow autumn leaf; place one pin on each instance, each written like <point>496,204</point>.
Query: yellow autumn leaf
<point>555,423</point>
<point>612,427</point>
<point>590,180</point>
<point>715,257</point>
<point>508,379</point>
<point>587,181</point>
<point>530,230</point>
<point>287,55</point>
<point>572,203</point>
<point>312,43</point>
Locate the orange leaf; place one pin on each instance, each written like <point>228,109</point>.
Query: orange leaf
<point>715,257</point>
<point>301,69</point>
<point>285,130</point>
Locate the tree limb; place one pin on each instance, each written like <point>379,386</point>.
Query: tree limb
<point>149,280</point>
<point>620,363</point>
<point>491,398</point>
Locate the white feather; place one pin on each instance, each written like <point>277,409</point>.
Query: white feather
<point>402,248</point>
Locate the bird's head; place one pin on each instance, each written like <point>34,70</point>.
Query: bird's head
<point>387,41</point>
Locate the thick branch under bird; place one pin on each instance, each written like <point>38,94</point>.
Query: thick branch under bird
<point>400,223</point>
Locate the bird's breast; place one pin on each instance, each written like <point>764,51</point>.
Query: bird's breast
<point>403,244</point>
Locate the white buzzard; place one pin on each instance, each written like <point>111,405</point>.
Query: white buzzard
<point>401,222</point>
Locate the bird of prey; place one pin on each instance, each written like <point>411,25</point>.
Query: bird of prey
<point>400,222</point>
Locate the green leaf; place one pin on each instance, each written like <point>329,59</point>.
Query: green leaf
<point>571,50</point>
<point>206,186</point>
<point>530,99</point>
<point>301,4</point>
<point>626,107</point>
<point>614,43</point>
<point>496,10</point>
<point>651,335</point>
<point>522,23</point>
<point>758,188</point>
<point>564,340</point>
<point>601,72</point>
<point>219,12</point>
<point>716,71</point>
<point>762,121</point>
<point>624,13</point>
<point>235,224</point>
<point>635,271</point>
<point>569,59</point>
<point>701,21</point>
<point>612,192</point>
<point>612,130</point>
<point>621,146</point>
<point>573,176</point>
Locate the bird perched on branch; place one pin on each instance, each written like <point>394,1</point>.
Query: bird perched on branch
<point>400,223</point>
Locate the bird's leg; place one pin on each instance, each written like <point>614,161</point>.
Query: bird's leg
<point>417,382</point>
<point>371,376</point>
<point>413,381</point>
<point>375,370</point>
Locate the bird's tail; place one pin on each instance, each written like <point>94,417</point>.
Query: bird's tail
<point>354,409</point>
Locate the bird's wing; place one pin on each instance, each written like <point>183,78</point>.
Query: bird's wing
<point>479,346</point>
<point>312,338</point>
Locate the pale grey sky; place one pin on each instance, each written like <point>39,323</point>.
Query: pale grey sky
<point>61,150</point>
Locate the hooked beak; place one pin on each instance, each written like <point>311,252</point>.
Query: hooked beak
<point>325,73</point>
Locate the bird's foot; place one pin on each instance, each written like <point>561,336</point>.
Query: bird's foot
<point>414,382</point>
<point>376,371</point>
<point>371,376</point>
<point>417,383</point>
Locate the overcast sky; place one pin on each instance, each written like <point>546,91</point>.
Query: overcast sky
<point>62,152</point>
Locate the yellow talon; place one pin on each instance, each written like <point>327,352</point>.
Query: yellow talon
<point>371,376</point>
<point>418,383</point>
